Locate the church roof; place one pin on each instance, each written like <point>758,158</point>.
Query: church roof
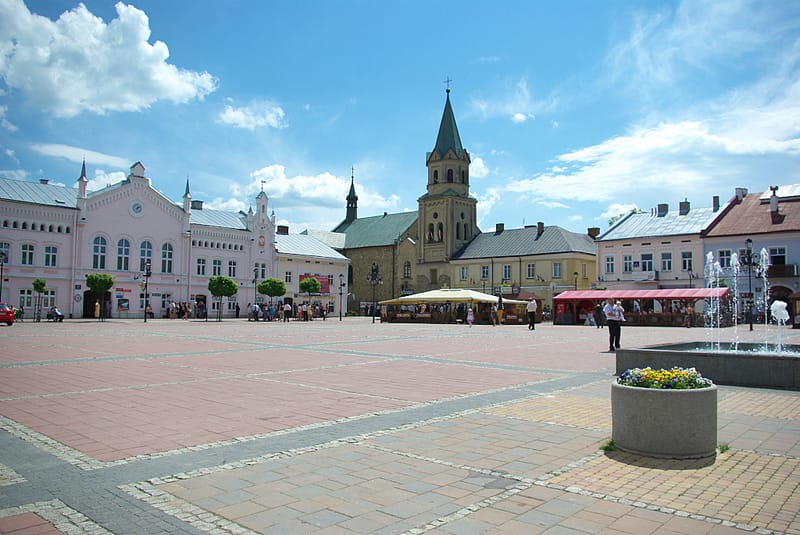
<point>377,231</point>
<point>526,242</point>
<point>448,137</point>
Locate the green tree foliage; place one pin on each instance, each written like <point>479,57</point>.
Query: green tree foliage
<point>39,286</point>
<point>310,286</point>
<point>99,283</point>
<point>617,217</point>
<point>272,287</point>
<point>221,287</point>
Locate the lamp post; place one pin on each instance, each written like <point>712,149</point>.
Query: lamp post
<point>147,274</point>
<point>374,280</point>
<point>341,289</point>
<point>2,275</point>
<point>255,286</point>
<point>575,276</point>
<point>749,243</point>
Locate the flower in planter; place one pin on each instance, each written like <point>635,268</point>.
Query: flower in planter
<point>676,378</point>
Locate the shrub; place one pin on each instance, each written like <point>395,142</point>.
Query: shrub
<point>676,378</point>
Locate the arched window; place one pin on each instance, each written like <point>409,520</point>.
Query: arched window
<point>99,253</point>
<point>435,176</point>
<point>463,177</point>
<point>407,270</point>
<point>430,232</point>
<point>466,231</point>
<point>145,255</point>
<point>440,232</point>
<point>166,258</point>
<point>449,175</point>
<point>458,231</point>
<point>123,254</point>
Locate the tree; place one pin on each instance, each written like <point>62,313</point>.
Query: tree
<point>99,284</point>
<point>617,217</point>
<point>221,287</point>
<point>310,286</point>
<point>38,286</point>
<point>272,287</point>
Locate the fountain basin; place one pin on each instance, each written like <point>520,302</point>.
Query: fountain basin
<point>754,365</point>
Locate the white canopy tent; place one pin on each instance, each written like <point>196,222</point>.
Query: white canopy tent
<point>448,295</point>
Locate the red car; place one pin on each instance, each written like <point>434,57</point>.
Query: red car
<point>6,314</point>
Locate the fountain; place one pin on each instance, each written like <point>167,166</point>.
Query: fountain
<point>770,364</point>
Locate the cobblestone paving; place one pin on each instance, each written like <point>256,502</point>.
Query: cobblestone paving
<point>329,427</point>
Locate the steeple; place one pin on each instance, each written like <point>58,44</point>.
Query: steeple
<point>186,193</point>
<point>352,200</point>
<point>83,182</point>
<point>448,137</point>
<point>187,198</point>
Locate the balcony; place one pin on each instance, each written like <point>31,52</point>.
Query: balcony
<point>782,271</point>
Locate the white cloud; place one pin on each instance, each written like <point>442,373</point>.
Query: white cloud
<point>254,115</point>
<point>79,63</point>
<point>616,209</point>
<point>16,174</point>
<point>5,123</point>
<point>77,154</point>
<point>478,168</point>
<point>516,102</point>
<point>102,180</point>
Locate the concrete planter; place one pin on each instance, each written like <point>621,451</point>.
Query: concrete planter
<point>675,424</point>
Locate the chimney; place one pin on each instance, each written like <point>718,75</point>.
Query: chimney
<point>741,193</point>
<point>499,228</point>
<point>539,229</point>
<point>197,205</point>
<point>43,181</point>
<point>282,229</point>
<point>715,203</point>
<point>683,207</point>
<point>773,200</point>
<point>594,232</point>
<point>663,208</point>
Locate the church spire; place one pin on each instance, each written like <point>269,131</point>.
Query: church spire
<point>352,200</point>
<point>448,137</point>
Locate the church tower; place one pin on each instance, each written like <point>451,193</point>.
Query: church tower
<point>352,200</point>
<point>447,213</point>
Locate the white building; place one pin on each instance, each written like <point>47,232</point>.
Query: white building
<point>63,234</point>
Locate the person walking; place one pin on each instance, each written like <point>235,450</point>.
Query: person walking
<point>599,316</point>
<point>494,315</point>
<point>531,314</point>
<point>470,316</point>
<point>614,315</point>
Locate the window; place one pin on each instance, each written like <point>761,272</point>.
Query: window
<point>506,272</point>
<point>647,262</point>
<point>458,231</point>
<point>50,256</point>
<point>287,278</point>
<point>666,261</point>
<point>166,258</point>
<point>261,270</point>
<point>484,273</point>
<point>407,270</point>
<point>449,175</point>
<point>48,299</point>
<point>531,271</point>
<point>724,256</point>
<point>777,256</point>
<point>5,251</point>
<point>27,255</point>
<point>627,263</point>
<point>609,265</point>
<point>232,268</point>
<point>430,232</point>
<point>123,254</point>
<point>440,232</point>
<point>686,261</point>
<point>201,266</point>
<point>435,176</point>
<point>145,255</point>
<point>26,298</point>
<point>556,270</point>
<point>99,253</point>
<point>464,272</point>
<point>216,267</point>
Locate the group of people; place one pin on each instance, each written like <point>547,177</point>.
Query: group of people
<point>284,312</point>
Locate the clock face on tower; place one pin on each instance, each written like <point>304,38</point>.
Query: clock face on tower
<point>136,209</point>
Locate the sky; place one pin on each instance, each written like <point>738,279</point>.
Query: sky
<point>572,111</point>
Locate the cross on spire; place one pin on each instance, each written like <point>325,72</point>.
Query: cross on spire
<point>262,184</point>
<point>447,83</point>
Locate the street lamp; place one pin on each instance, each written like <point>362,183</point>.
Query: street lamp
<point>2,265</point>
<point>575,276</point>
<point>255,286</point>
<point>341,289</point>
<point>749,243</point>
<point>374,280</point>
<point>147,274</point>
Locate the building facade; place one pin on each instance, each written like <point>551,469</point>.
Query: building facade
<point>144,240</point>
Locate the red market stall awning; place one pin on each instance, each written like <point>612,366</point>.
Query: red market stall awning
<point>659,295</point>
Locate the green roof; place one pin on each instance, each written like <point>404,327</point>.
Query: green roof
<point>448,137</point>
<point>377,231</point>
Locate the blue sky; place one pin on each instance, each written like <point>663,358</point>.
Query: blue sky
<point>572,111</point>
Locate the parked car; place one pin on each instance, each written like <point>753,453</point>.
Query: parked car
<point>6,314</point>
